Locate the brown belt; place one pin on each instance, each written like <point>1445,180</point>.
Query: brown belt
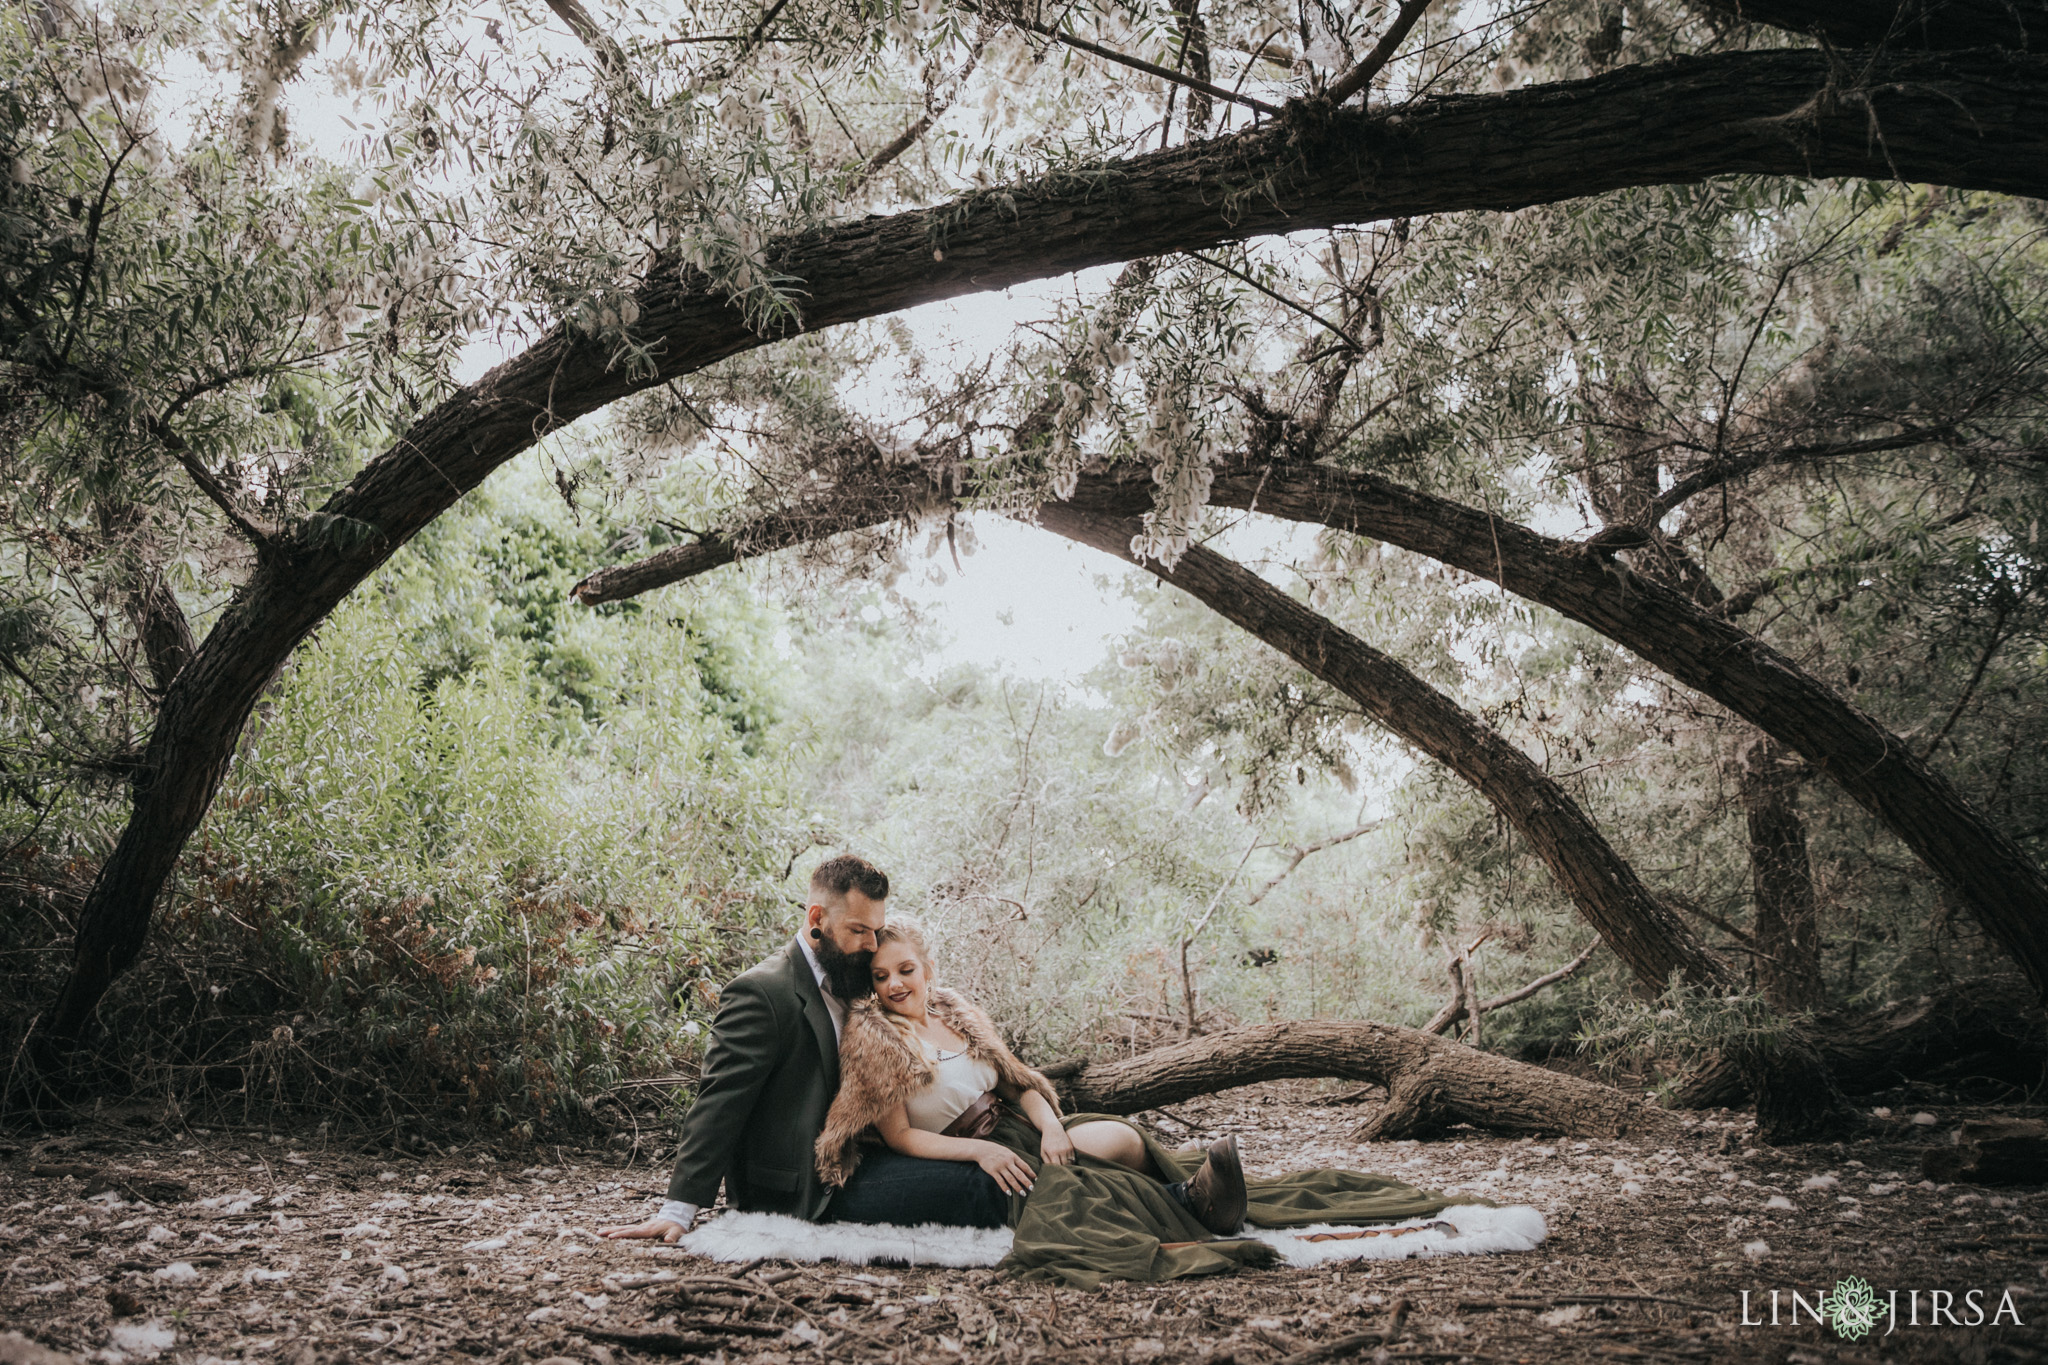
<point>978,1119</point>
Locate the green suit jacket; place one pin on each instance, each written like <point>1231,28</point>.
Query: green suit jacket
<point>770,1072</point>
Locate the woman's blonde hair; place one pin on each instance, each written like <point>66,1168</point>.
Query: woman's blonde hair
<point>906,929</point>
<point>909,931</point>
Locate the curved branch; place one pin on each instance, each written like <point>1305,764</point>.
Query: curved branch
<point>1986,869</point>
<point>1382,52</point>
<point>1972,120</point>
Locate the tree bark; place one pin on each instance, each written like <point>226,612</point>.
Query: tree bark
<point>1641,929</point>
<point>161,627</point>
<point>1194,47</point>
<point>1431,1082</point>
<point>1786,930</point>
<point>1928,25</point>
<point>1974,120</point>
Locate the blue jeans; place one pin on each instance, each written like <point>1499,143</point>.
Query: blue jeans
<point>889,1187</point>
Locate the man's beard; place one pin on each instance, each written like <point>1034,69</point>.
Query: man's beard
<point>850,976</point>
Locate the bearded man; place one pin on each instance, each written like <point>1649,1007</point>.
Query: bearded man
<point>771,1070</point>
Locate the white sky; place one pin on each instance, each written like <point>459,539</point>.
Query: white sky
<point>1026,600</point>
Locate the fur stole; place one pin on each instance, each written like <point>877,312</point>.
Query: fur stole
<point>879,1068</point>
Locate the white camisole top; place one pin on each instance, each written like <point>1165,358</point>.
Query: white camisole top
<point>961,1080</point>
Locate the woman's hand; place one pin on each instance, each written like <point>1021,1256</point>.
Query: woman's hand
<point>1009,1170</point>
<point>1056,1147</point>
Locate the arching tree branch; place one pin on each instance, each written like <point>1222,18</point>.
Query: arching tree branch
<point>1970,120</point>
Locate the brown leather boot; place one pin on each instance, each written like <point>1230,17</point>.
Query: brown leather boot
<point>1216,1193</point>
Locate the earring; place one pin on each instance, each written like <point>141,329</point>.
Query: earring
<point>815,934</point>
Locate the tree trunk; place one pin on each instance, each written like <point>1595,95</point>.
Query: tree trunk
<point>1431,1082</point>
<point>1797,1097</point>
<point>1786,931</point>
<point>1963,120</point>
<point>1642,930</point>
<point>1194,59</point>
<point>1989,1029</point>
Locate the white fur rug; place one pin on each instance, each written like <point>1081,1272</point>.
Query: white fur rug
<point>1477,1231</point>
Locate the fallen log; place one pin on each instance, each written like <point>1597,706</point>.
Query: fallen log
<point>1432,1083</point>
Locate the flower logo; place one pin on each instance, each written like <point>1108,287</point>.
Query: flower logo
<point>1852,1309</point>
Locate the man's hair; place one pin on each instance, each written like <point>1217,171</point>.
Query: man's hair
<point>837,876</point>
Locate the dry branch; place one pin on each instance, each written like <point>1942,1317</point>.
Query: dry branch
<point>1454,1009</point>
<point>1303,851</point>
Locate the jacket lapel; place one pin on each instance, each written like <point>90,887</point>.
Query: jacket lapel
<point>815,1011</point>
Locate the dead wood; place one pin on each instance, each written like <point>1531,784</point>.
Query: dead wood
<point>1454,1009</point>
<point>1432,1083</point>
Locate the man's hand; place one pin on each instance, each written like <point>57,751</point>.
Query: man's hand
<point>666,1229</point>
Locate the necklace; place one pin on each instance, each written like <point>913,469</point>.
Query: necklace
<point>939,1054</point>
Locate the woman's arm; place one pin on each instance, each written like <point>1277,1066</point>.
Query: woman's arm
<point>1007,1168</point>
<point>1053,1145</point>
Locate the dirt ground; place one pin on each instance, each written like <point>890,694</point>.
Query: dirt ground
<point>291,1248</point>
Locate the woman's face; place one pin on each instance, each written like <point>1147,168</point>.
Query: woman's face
<point>900,979</point>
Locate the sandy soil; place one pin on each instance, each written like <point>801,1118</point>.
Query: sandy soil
<point>292,1248</point>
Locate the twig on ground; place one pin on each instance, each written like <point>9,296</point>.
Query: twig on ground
<point>654,1343</point>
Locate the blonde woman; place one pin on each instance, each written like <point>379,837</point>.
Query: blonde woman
<point>924,1072</point>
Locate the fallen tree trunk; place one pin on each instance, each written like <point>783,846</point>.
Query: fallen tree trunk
<point>1998,1151</point>
<point>1432,1083</point>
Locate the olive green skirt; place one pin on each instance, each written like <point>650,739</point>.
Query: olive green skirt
<point>1095,1220</point>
